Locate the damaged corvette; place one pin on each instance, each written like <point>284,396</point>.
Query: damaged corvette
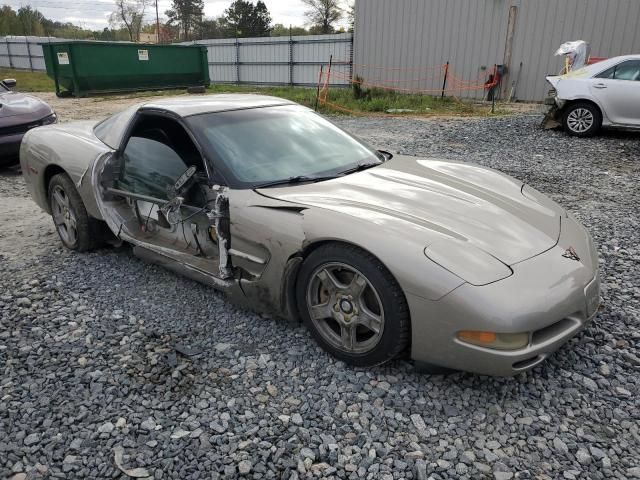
<point>379,255</point>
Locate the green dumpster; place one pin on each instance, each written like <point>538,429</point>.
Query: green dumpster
<point>81,68</point>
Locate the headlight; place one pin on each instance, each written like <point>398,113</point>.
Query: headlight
<point>468,262</point>
<point>497,341</point>
<point>48,120</point>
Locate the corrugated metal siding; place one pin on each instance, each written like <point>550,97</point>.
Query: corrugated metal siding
<point>471,34</point>
<point>265,60</point>
<point>22,52</point>
<point>610,26</point>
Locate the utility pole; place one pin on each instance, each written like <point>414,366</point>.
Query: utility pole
<point>157,24</point>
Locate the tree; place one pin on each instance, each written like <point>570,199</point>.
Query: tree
<point>31,21</point>
<point>279,30</point>
<point>9,23</point>
<point>129,14</point>
<point>210,28</point>
<point>187,15</point>
<point>244,19</point>
<point>323,14</point>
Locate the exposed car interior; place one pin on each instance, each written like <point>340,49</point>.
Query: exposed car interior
<point>140,187</point>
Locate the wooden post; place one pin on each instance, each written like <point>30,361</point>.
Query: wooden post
<point>444,81</point>
<point>508,46</point>
<point>318,91</point>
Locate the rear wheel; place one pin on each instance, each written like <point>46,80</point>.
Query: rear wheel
<point>582,119</point>
<point>76,229</point>
<point>352,305</point>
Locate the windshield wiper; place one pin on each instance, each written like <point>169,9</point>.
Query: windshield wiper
<point>359,168</point>
<point>293,180</point>
<point>303,178</point>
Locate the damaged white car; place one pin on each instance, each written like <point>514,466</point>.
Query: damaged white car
<point>456,264</point>
<point>604,94</point>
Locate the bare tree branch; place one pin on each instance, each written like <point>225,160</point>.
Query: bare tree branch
<point>323,14</point>
<point>130,15</point>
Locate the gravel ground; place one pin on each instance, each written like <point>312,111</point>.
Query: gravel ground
<point>91,385</point>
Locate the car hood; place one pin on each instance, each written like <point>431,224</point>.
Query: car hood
<point>466,202</point>
<point>16,108</point>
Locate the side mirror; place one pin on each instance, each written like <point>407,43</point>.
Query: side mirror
<point>9,82</point>
<point>386,155</point>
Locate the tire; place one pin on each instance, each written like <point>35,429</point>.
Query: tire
<point>360,314</point>
<point>581,119</point>
<point>76,229</point>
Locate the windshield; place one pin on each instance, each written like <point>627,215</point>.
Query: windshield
<point>257,146</point>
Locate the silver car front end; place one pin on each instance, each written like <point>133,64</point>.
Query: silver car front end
<point>548,299</point>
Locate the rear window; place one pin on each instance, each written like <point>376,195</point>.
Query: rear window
<point>629,70</point>
<point>111,130</point>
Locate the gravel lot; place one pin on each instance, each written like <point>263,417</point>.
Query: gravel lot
<point>89,377</point>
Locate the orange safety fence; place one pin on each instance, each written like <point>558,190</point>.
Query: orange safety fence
<point>452,83</point>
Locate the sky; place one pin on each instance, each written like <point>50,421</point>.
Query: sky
<point>94,14</point>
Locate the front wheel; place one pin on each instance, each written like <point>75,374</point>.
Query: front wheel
<point>352,305</point>
<point>74,226</point>
<point>582,119</point>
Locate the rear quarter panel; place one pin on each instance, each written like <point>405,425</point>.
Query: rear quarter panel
<point>71,148</point>
<point>578,88</point>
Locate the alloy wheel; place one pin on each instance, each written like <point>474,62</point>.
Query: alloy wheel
<point>580,120</point>
<point>63,216</point>
<point>345,308</point>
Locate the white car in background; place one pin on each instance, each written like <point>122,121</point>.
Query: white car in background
<point>604,94</point>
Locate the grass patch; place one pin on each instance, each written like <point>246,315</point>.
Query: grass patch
<point>29,81</point>
<point>375,101</point>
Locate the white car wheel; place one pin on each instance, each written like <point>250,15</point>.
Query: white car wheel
<point>582,119</point>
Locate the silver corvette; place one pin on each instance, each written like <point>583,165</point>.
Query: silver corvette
<point>455,264</point>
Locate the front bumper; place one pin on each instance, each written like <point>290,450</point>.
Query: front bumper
<point>550,296</point>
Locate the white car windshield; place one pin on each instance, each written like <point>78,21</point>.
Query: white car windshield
<point>258,146</point>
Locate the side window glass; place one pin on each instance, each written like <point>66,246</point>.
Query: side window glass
<point>150,168</point>
<point>608,73</point>
<point>628,71</point>
<point>111,130</point>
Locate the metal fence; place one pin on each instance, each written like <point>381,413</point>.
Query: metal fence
<point>293,60</point>
<point>23,53</point>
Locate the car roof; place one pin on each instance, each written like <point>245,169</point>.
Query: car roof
<point>187,105</point>
<point>598,67</point>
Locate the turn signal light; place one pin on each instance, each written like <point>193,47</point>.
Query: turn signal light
<point>498,341</point>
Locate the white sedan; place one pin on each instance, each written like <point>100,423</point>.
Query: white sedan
<point>604,94</point>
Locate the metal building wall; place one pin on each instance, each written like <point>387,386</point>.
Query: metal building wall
<point>471,34</point>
